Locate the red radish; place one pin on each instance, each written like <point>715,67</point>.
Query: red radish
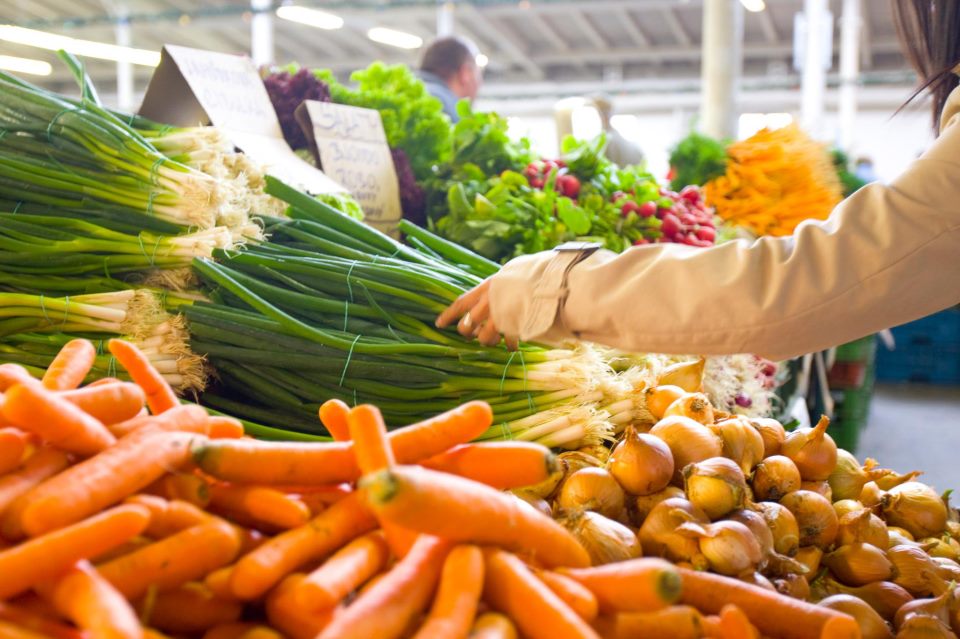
<point>648,209</point>
<point>617,196</point>
<point>691,194</point>
<point>569,185</point>
<point>707,233</point>
<point>670,225</point>
<point>536,182</point>
<point>689,219</point>
<point>629,207</point>
<point>532,170</point>
<point>561,164</point>
<point>641,241</point>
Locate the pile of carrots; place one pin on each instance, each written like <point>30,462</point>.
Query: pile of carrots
<point>124,514</point>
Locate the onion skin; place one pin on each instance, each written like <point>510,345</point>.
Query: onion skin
<point>863,527</point>
<point>716,486</point>
<point>689,442</point>
<point>771,432</point>
<point>660,397</point>
<point>783,526</point>
<point>774,477</point>
<point>822,488</point>
<point>848,477</point>
<point>915,571</point>
<point>729,546</point>
<point>593,489</point>
<point>659,537</point>
<point>696,406</point>
<point>923,627</point>
<point>643,464</point>
<point>534,501</point>
<point>812,450</point>
<point>915,507</point>
<point>640,507</point>
<point>795,586</point>
<point>605,540</point>
<point>872,625</point>
<point>741,442</point>
<point>859,564</point>
<point>845,506</point>
<point>937,607</point>
<point>815,516</point>
<point>810,556</point>
<point>686,375</point>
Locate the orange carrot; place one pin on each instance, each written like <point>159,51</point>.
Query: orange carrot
<point>676,622</point>
<point>343,572</point>
<point>160,397</point>
<point>437,434</point>
<point>103,380</point>
<point>189,487</point>
<point>110,403</point>
<point>286,615</point>
<point>512,589</point>
<point>635,585</point>
<point>12,631</point>
<point>70,366</point>
<point>97,482</point>
<point>44,463</point>
<point>127,547</point>
<point>455,604</point>
<point>466,511</point>
<point>55,420</point>
<point>36,560</point>
<point>188,555</point>
<point>189,609</point>
<point>734,624</point>
<point>387,609</point>
<point>40,621</point>
<point>264,567</point>
<point>13,447</point>
<point>370,585</point>
<point>577,596</point>
<point>170,517</point>
<point>262,632</point>
<point>12,374</point>
<point>501,465</point>
<point>493,625</point>
<point>91,603</point>
<point>186,418</point>
<point>333,416</point>
<point>259,505</point>
<point>772,613</point>
<point>241,630</point>
<point>218,582</point>
<point>224,427</point>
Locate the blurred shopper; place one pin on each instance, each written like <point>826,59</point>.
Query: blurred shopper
<point>864,170</point>
<point>888,254</point>
<point>449,69</point>
<point>619,149</point>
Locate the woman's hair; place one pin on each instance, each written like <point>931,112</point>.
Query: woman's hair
<point>929,32</point>
<point>445,56</point>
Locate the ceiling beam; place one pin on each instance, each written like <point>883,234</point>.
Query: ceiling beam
<point>582,20</point>
<point>629,22</point>
<point>769,27</point>
<point>866,45</point>
<point>543,26</point>
<point>507,44</point>
<point>677,27</point>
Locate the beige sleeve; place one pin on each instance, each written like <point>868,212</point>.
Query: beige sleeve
<point>887,255</point>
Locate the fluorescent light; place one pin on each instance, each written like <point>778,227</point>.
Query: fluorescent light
<point>25,65</point>
<point>310,17</point>
<point>482,60</point>
<point>395,38</point>
<point>84,48</point>
<point>754,5</point>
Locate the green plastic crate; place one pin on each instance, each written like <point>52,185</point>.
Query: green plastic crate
<point>861,350</point>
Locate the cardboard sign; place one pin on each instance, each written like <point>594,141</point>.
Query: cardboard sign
<point>192,87</point>
<point>353,150</point>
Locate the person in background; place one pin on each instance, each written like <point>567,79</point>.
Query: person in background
<point>619,149</point>
<point>450,71</point>
<point>864,170</point>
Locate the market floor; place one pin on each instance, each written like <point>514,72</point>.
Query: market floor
<point>915,428</point>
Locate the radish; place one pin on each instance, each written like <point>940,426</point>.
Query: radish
<point>648,209</point>
<point>629,207</point>
<point>536,182</point>
<point>569,185</point>
<point>670,225</point>
<point>691,194</point>
<point>707,233</point>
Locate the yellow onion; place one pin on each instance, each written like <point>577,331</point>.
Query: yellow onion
<point>689,441</point>
<point>640,507</point>
<point>686,375</point>
<point>729,546</point>
<point>659,398</point>
<point>812,450</point>
<point>741,442</point>
<point>548,487</point>
<point>886,478</point>
<point>948,569</point>
<point>916,507</point>
<point>937,607</point>
<point>815,516</point>
<point>848,477</point>
<point>899,537</point>
<point>659,536</point>
<point>885,597</point>
<point>810,557</point>
<point>795,586</point>
<point>696,406</point>
<point>845,506</point>
<point>758,526</point>
<point>782,525</point>
<point>943,546</point>
<point>774,477</point>
<point>757,579</point>
<point>716,486</point>
<point>771,432</point>
<point>953,527</point>
<point>538,503</point>
<point>924,627</point>
<point>872,625</point>
<point>598,451</point>
<point>871,495</point>
<point>593,489</point>
<point>863,527</point>
<point>822,488</point>
<point>915,571</point>
<point>859,564</point>
<point>643,464</point>
<point>605,540</point>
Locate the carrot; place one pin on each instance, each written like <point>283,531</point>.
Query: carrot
<point>241,630</point>
<point>168,563</point>
<point>734,624</point>
<point>218,582</point>
<point>103,380</point>
<point>189,609</point>
<point>12,631</point>
<point>772,613</point>
<point>85,598</point>
<point>127,547</point>
<point>387,609</point>
<point>97,482</point>
<point>13,446</point>
<point>70,366</point>
<point>44,463</point>
<point>40,621</point>
<point>169,517</point>
<point>286,615</point>
<point>55,420</point>
<point>262,632</point>
<point>160,397</point>
<point>512,589</point>
<point>455,604</point>
<point>36,560</point>
<point>343,572</point>
<point>465,511</point>
<point>501,465</point>
<point>333,416</point>
<point>493,625</point>
<point>635,585</point>
<point>186,418</point>
<point>676,622</point>
<point>264,567</point>
<point>13,374</point>
<point>188,487</point>
<point>578,597</point>
<point>259,505</point>
<point>224,427</point>
<point>370,585</point>
<point>110,403</point>
<point>260,462</point>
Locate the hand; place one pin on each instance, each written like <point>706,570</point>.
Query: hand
<point>473,310</point>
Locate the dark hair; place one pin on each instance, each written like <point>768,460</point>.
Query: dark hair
<point>445,56</point>
<point>929,32</point>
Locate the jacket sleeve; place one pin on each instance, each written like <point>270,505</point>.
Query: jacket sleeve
<point>887,255</point>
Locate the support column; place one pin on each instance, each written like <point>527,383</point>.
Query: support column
<point>125,87</point>
<point>722,62</point>
<point>814,79</point>
<point>261,32</point>
<point>850,29</point>
<point>445,22</point>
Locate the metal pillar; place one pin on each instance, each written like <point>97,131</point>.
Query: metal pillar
<point>261,32</point>
<point>125,86</point>
<point>850,28</point>
<point>814,80</point>
<point>445,22</point>
<point>721,65</point>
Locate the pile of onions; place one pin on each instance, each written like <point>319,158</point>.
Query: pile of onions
<point>686,375</point>
<point>859,564</point>
<point>642,463</point>
<point>729,547</point>
<point>659,535</point>
<point>915,507</point>
<point>812,450</point>
<point>696,406</point>
<point>689,442</point>
<point>848,477</point>
<point>872,625</point>
<point>774,477</point>
<point>605,540</point>
<point>716,486</point>
<point>815,516</point>
<point>593,489</point>
<point>741,442</point>
<point>771,432</point>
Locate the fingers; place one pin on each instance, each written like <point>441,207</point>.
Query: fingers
<point>512,343</point>
<point>488,335</point>
<point>456,310</point>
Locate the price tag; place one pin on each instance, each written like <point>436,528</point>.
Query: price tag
<point>192,87</point>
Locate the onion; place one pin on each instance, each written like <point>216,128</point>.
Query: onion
<point>916,507</point>
<point>872,625</point>
<point>812,450</point>
<point>696,406</point>
<point>758,526</point>
<point>593,489</point>
<point>859,564</point>
<point>643,464</point>
<point>729,546</point>
<point>689,441</point>
<point>538,503</point>
<point>741,442</point>
<point>948,569</point>
<point>886,478</point>
<point>795,586</point>
<point>815,516</point>
<point>641,506</point>
<point>885,597</point>
<point>782,525</point>
<point>605,540</point>
<point>822,488</point>
<point>757,579</point>
<point>774,477</point>
<point>810,557</point>
<point>915,571</point>
<point>937,607</point>
<point>659,398</point>
<point>863,527</point>
<point>847,479</point>
<point>871,495</point>
<point>716,486</point>
<point>548,487</point>
<point>598,451</point>
<point>944,546</point>
<point>845,506</point>
<point>686,375</point>
<point>899,537</point>
<point>659,536</point>
<point>923,627</point>
<point>771,432</point>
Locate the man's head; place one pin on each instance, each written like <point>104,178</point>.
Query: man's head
<point>454,59</point>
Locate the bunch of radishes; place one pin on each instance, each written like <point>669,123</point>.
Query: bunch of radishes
<point>686,221</point>
<point>539,171</point>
